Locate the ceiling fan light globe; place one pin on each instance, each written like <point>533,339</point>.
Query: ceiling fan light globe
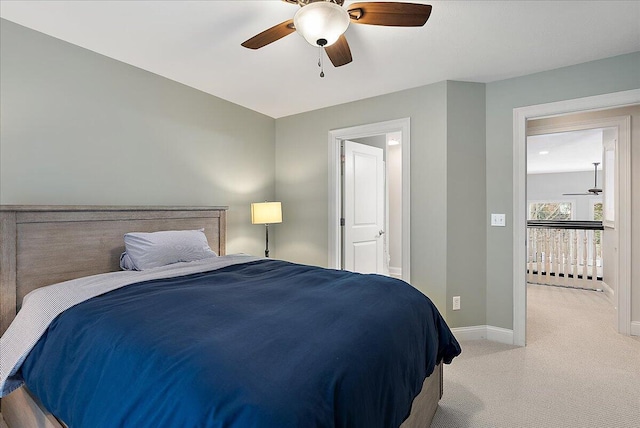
<point>322,21</point>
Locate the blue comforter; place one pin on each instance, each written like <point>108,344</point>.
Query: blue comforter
<point>261,344</point>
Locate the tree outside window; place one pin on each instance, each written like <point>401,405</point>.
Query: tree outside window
<point>597,211</point>
<point>597,216</point>
<point>550,211</point>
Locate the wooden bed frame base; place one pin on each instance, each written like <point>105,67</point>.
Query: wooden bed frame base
<point>425,404</point>
<point>37,242</point>
<point>21,409</point>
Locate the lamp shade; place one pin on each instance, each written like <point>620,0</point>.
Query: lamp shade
<point>266,212</point>
<point>321,23</point>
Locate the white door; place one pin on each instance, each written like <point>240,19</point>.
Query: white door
<point>363,204</point>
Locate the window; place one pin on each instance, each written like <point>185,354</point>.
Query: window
<point>597,211</point>
<point>550,211</point>
<point>596,214</point>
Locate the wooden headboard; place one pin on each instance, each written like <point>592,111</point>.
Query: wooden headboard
<point>42,245</point>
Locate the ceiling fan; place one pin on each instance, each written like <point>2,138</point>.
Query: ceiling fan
<point>595,190</point>
<point>323,22</point>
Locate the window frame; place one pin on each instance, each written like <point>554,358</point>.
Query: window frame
<point>609,161</point>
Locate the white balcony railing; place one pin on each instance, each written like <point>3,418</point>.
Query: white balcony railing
<point>565,253</point>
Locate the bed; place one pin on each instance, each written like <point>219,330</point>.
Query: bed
<point>38,243</point>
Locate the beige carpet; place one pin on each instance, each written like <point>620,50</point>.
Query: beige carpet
<point>575,371</point>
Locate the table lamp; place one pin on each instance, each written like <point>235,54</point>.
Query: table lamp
<point>266,213</point>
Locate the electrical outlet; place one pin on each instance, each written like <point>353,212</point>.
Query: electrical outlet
<point>456,303</point>
<point>498,220</point>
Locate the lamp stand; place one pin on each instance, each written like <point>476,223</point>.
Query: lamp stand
<point>266,250</point>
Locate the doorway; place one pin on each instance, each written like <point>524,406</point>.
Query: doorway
<point>623,218</point>
<point>570,242</point>
<point>397,232</point>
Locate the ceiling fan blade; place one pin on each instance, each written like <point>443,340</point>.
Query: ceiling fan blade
<point>390,13</point>
<point>270,35</point>
<point>338,2</point>
<point>339,52</point>
<point>589,193</point>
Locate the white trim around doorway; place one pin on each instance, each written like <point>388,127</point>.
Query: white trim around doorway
<point>334,194</point>
<point>520,117</point>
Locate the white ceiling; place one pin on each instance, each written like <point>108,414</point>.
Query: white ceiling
<point>565,151</point>
<point>197,43</point>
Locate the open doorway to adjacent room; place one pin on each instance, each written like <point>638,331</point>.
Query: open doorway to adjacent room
<point>369,198</point>
<point>565,191</point>
<point>608,117</point>
<point>569,251</point>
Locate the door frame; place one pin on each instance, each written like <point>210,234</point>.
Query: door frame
<point>520,117</point>
<point>335,192</point>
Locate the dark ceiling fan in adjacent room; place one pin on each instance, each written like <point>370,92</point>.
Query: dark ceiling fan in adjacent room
<point>323,23</point>
<point>591,192</point>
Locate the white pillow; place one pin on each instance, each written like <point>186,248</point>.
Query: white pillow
<point>125,262</point>
<point>149,250</point>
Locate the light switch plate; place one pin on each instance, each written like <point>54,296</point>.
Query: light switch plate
<point>498,220</point>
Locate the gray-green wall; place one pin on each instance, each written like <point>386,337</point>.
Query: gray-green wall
<point>302,178</point>
<point>445,117</point>
<point>81,128</point>
<point>466,203</point>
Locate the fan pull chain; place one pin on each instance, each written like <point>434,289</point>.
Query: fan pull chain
<point>320,63</point>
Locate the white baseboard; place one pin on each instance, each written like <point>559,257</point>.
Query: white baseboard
<point>635,328</point>
<point>470,333</point>
<point>608,291</point>
<point>498,334</point>
<point>395,272</point>
<point>489,332</point>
